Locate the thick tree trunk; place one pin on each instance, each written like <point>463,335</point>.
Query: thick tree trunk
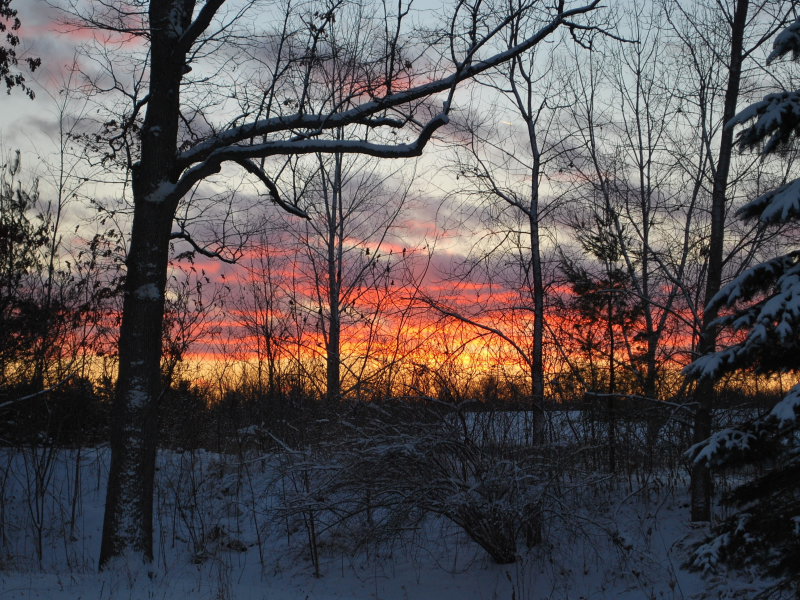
<point>128,519</point>
<point>701,485</point>
<point>128,516</point>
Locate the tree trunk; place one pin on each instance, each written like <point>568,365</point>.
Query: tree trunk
<point>612,417</point>
<point>701,485</point>
<point>537,362</point>
<point>271,384</point>
<point>332,361</point>
<point>128,519</point>
<point>129,501</point>
<point>334,260</point>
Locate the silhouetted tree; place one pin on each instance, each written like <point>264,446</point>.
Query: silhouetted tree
<point>763,531</point>
<point>283,108</point>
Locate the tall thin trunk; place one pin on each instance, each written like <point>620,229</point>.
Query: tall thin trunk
<point>645,196</point>
<point>537,360</point>
<point>524,104</point>
<point>333,359</point>
<point>334,259</point>
<point>701,484</point>
<point>612,425</point>
<point>270,351</point>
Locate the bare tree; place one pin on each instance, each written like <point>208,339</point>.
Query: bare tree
<point>657,163</point>
<point>274,108</point>
<point>347,243</point>
<point>732,33</point>
<point>263,313</point>
<point>506,166</point>
<point>55,285</point>
<point>617,185</point>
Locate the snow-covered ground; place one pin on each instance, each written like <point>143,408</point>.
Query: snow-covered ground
<point>223,530</point>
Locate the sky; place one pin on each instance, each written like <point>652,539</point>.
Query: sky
<point>25,123</point>
<point>31,126</point>
<point>439,217</point>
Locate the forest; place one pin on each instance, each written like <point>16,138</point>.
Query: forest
<point>335,299</point>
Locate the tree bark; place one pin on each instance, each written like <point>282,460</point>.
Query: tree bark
<point>127,523</point>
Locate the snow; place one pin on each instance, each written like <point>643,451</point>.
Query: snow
<point>161,193</point>
<point>771,114</point>
<point>742,436</point>
<point>727,440</point>
<point>149,291</point>
<point>708,554</point>
<point>753,280</point>
<point>776,206</point>
<point>217,536</point>
<point>785,411</point>
<point>777,315</point>
<point>176,15</point>
<point>711,365</point>
<point>786,41</point>
<point>252,430</point>
<point>137,398</point>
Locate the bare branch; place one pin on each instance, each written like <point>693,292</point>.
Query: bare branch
<point>359,113</point>
<point>40,393</point>
<point>198,26</point>
<point>183,235</point>
<point>250,167</point>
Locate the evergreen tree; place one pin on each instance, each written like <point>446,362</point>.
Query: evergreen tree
<point>763,532</point>
<point>602,298</point>
<point>23,241</point>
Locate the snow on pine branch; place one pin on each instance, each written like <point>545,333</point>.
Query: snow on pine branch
<point>785,412</point>
<point>772,321</point>
<point>713,364</point>
<point>755,279</point>
<point>786,41</point>
<point>725,442</point>
<point>756,535</point>
<point>747,438</point>
<point>776,206</point>
<point>777,118</point>
<point>708,556</point>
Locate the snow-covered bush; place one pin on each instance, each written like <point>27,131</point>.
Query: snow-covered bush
<point>765,305</point>
<point>404,464</point>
